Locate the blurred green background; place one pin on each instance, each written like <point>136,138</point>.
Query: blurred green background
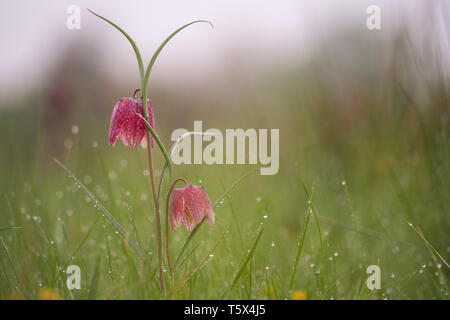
<point>364,123</point>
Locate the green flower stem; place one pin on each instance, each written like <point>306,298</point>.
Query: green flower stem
<point>153,186</point>
<point>167,222</point>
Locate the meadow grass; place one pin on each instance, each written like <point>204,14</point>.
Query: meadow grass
<point>360,183</point>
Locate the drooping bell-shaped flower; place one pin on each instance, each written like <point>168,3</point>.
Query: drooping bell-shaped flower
<point>189,206</point>
<point>126,122</point>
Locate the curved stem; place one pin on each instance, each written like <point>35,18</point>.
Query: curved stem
<point>152,183</point>
<point>135,92</point>
<point>167,221</point>
<point>156,203</point>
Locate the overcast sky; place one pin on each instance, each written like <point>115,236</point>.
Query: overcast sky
<point>33,32</point>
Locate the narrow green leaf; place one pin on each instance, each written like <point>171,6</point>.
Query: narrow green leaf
<point>133,44</point>
<point>163,44</point>
<point>94,281</point>
<point>244,263</point>
<point>9,228</point>
<point>160,144</point>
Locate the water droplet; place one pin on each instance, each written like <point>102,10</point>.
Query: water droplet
<point>211,255</point>
<point>94,144</point>
<point>266,216</point>
<point>123,163</point>
<point>273,244</point>
<point>336,254</point>
<point>258,199</point>
<point>75,129</point>
<point>112,175</point>
<point>312,265</point>
<point>68,144</point>
<point>343,182</point>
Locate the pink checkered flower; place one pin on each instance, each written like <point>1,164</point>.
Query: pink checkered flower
<point>126,122</point>
<point>189,206</point>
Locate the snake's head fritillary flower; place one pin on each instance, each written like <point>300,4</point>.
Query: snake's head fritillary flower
<point>126,122</point>
<point>189,206</point>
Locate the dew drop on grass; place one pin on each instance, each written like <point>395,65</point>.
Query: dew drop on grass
<point>312,265</point>
<point>273,244</point>
<point>266,216</point>
<point>94,144</point>
<point>336,254</point>
<point>75,129</point>
<point>123,163</point>
<point>393,275</point>
<point>343,182</point>
<point>211,255</point>
<point>112,175</point>
<point>68,144</point>
<point>439,266</point>
<point>258,199</point>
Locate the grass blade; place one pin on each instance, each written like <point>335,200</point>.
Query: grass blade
<point>421,235</point>
<point>94,281</point>
<point>105,213</point>
<point>244,263</point>
<point>216,204</point>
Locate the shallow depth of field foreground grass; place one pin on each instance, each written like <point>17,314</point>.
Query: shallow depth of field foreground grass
<point>364,180</point>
